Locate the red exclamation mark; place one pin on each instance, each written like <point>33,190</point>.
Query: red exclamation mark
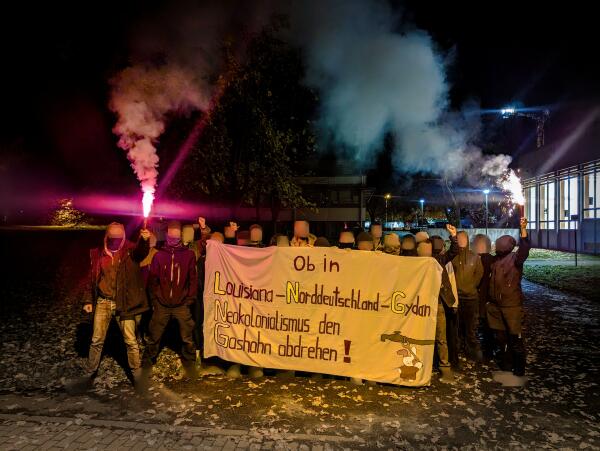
<point>347,351</point>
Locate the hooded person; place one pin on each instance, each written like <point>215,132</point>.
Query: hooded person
<point>229,231</point>
<point>446,299</point>
<point>468,271</point>
<point>346,240</point>
<point>217,236</point>
<point>173,286</point>
<point>505,301</point>
<point>364,241</point>
<point>322,242</point>
<point>187,239</point>
<point>408,246</point>
<point>301,236</point>
<point>391,244</point>
<point>482,245</point>
<point>243,238</point>
<point>377,234</point>
<point>115,290</point>
<point>198,247</point>
<point>448,291</point>
<point>280,240</point>
<point>256,236</point>
<point>144,319</point>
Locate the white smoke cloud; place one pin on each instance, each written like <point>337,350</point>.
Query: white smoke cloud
<point>141,97</point>
<point>375,77</point>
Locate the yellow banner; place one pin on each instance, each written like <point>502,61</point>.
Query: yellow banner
<point>323,310</point>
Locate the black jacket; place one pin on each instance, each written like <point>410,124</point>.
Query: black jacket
<point>130,297</point>
<point>446,293</point>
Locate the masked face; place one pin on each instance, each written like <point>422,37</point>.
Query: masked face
<point>346,240</point>
<point>376,231</point>
<point>365,245</point>
<point>243,241</point>
<point>437,245</point>
<point>217,236</point>
<point>481,246</point>
<point>463,240</point>
<point>229,232</point>
<point>115,236</point>
<point>391,244</point>
<point>408,245</point>
<point>173,237</point>
<point>392,239</point>
<point>187,234</point>
<point>425,249</point>
<point>256,234</point>
<point>283,241</point>
<point>113,244</point>
<point>301,229</point>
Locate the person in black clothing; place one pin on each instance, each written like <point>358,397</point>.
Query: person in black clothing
<point>482,245</point>
<point>505,302</point>
<point>445,300</point>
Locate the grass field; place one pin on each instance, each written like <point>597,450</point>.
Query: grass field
<point>580,280</point>
<point>547,254</point>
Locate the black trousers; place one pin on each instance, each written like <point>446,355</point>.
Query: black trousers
<point>452,335</point>
<point>160,318</point>
<point>468,311</point>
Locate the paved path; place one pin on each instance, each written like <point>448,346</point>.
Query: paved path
<point>28,432</point>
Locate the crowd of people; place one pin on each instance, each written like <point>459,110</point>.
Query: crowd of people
<point>144,285</point>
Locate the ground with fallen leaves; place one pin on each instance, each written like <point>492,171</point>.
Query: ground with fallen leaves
<point>559,408</point>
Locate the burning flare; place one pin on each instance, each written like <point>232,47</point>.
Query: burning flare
<point>147,200</point>
<point>511,183</point>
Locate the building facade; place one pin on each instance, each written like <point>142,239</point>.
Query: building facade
<point>563,208</point>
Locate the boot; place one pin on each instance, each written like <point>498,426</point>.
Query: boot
<point>447,374</point>
<point>190,370</point>
<point>286,374</point>
<point>141,380</point>
<point>234,372</point>
<point>211,370</point>
<point>517,348</point>
<point>255,372</point>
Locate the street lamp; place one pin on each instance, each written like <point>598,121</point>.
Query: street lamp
<point>486,192</point>
<point>422,202</point>
<point>387,197</point>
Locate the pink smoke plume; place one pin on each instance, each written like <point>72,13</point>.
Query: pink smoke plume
<point>142,97</point>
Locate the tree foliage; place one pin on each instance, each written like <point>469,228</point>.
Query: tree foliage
<point>258,132</point>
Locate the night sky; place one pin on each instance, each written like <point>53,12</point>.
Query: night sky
<point>57,58</point>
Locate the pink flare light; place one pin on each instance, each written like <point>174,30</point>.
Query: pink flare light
<point>147,200</point>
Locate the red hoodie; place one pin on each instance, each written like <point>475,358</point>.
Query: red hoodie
<point>173,277</point>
